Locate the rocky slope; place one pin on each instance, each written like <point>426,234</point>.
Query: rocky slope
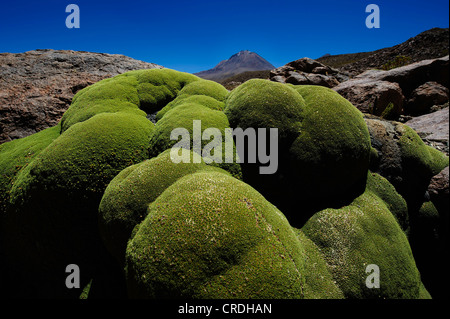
<point>430,44</point>
<point>240,62</point>
<point>36,87</point>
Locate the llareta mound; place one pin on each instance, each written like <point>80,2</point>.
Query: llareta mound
<point>100,190</point>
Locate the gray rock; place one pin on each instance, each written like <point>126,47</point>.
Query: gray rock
<point>438,191</point>
<point>37,86</point>
<point>433,128</point>
<point>384,136</point>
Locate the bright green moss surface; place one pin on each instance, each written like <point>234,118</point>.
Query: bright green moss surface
<point>52,217</point>
<point>127,197</point>
<point>104,177</point>
<point>135,92</point>
<point>204,100</point>
<point>332,151</point>
<point>212,236</point>
<point>419,163</point>
<point>423,293</point>
<point>207,88</point>
<point>183,116</point>
<point>17,154</point>
<point>109,95</point>
<point>89,155</point>
<point>261,103</point>
<point>319,283</point>
<point>323,144</point>
<point>394,202</point>
<point>360,234</point>
<point>418,158</point>
<point>428,211</point>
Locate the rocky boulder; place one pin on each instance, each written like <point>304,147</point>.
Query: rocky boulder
<point>307,71</point>
<point>438,191</point>
<point>36,87</point>
<point>424,97</point>
<point>372,96</point>
<point>409,164</point>
<point>374,90</point>
<point>403,158</point>
<point>433,128</point>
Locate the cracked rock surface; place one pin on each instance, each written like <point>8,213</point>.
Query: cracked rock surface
<point>36,87</point>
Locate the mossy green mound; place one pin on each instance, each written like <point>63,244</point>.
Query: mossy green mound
<point>204,100</point>
<point>135,92</point>
<point>105,176</point>
<point>361,234</point>
<point>126,199</point>
<point>319,282</point>
<point>16,155</point>
<point>87,156</point>
<point>323,144</point>
<point>428,233</point>
<point>331,153</point>
<point>51,220</point>
<point>427,160</point>
<point>206,88</point>
<point>184,116</point>
<point>54,180</point>
<point>212,236</point>
<point>261,103</point>
<point>420,163</point>
<point>381,187</point>
<point>423,293</point>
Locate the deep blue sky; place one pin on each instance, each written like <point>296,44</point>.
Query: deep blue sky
<point>194,35</point>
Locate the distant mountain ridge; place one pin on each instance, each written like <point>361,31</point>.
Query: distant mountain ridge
<point>240,62</point>
<point>430,44</point>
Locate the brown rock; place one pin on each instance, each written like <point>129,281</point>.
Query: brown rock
<point>411,76</point>
<point>439,185</point>
<point>425,96</point>
<point>308,65</point>
<point>302,78</point>
<point>438,191</point>
<point>37,87</point>
<point>307,71</point>
<point>373,90</point>
<point>384,136</point>
<point>372,96</point>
